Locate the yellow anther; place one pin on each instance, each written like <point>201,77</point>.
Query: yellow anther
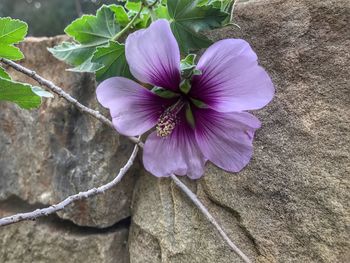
<point>166,124</point>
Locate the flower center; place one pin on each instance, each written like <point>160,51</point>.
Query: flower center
<point>168,120</point>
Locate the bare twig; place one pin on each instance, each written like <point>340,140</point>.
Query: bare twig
<point>212,220</point>
<point>69,200</point>
<point>60,92</point>
<point>54,208</point>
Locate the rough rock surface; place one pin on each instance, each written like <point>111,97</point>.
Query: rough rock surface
<point>55,151</point>
<point>291,204</point>
<point>56,240</point>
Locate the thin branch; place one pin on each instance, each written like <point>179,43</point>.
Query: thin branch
<point>211,219</point>
<point>60,92</point>
<point>69,200</point>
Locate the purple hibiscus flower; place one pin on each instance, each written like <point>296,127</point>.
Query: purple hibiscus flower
<point>188,133</point>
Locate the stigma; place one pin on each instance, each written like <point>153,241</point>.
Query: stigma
<point>169,119</point>
<point>166,123</point>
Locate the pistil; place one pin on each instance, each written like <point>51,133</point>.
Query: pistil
<point>169,119</point>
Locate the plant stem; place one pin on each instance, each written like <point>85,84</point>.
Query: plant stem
<point>130,24</point>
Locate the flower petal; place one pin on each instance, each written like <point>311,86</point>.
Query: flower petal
<point>176,154</point>
<point>231,79</point>
<point>134,109</point>
<point>226,138</point>
<point>153,55</point>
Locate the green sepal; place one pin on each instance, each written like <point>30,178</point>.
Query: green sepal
<point>196,72</point>
<point>189,116</point>
<point>199,104</point>
<point>164,93</point>
<point>185,86</point>
<point>188,67</point>
<point>188,62</point>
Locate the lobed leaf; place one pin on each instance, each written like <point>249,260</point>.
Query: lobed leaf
<point>3,74</point>
<point>19,93</point>
<point>12,31</point>
<point>91,32</point>
<point>188,19</point>
<point>113,61</point>
<point>76,55</point>
<point>120,14</point>
<point>97,30</point>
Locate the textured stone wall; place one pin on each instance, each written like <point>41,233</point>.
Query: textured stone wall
<point>55,151</point>
<point>291,203</point>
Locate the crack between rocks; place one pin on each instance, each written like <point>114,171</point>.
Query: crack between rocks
<point>14,204</point>
<point>238,218</point>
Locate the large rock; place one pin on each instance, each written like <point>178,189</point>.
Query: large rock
<point>291,204</point>
<point>54,240</point>
<point>55,151</point>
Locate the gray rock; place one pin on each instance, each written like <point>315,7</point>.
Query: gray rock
<point>55,240</point>
<point>55,151</point>
<point>291,203</point>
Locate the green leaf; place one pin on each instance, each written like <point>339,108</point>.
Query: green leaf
<point>18,93</point>
<point>90,32</point>
<point>113,61</point>
<point>76,55</point>
<point>3,74</point>
<point>97,29</point>
<point>161,11</point>
<point>189,19</point>
<point>133,6</point>
<point>12,31</point>
<point>143,21</point>
<point>187,39</point>
<point>10,52</point>
<point>120,14</point>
